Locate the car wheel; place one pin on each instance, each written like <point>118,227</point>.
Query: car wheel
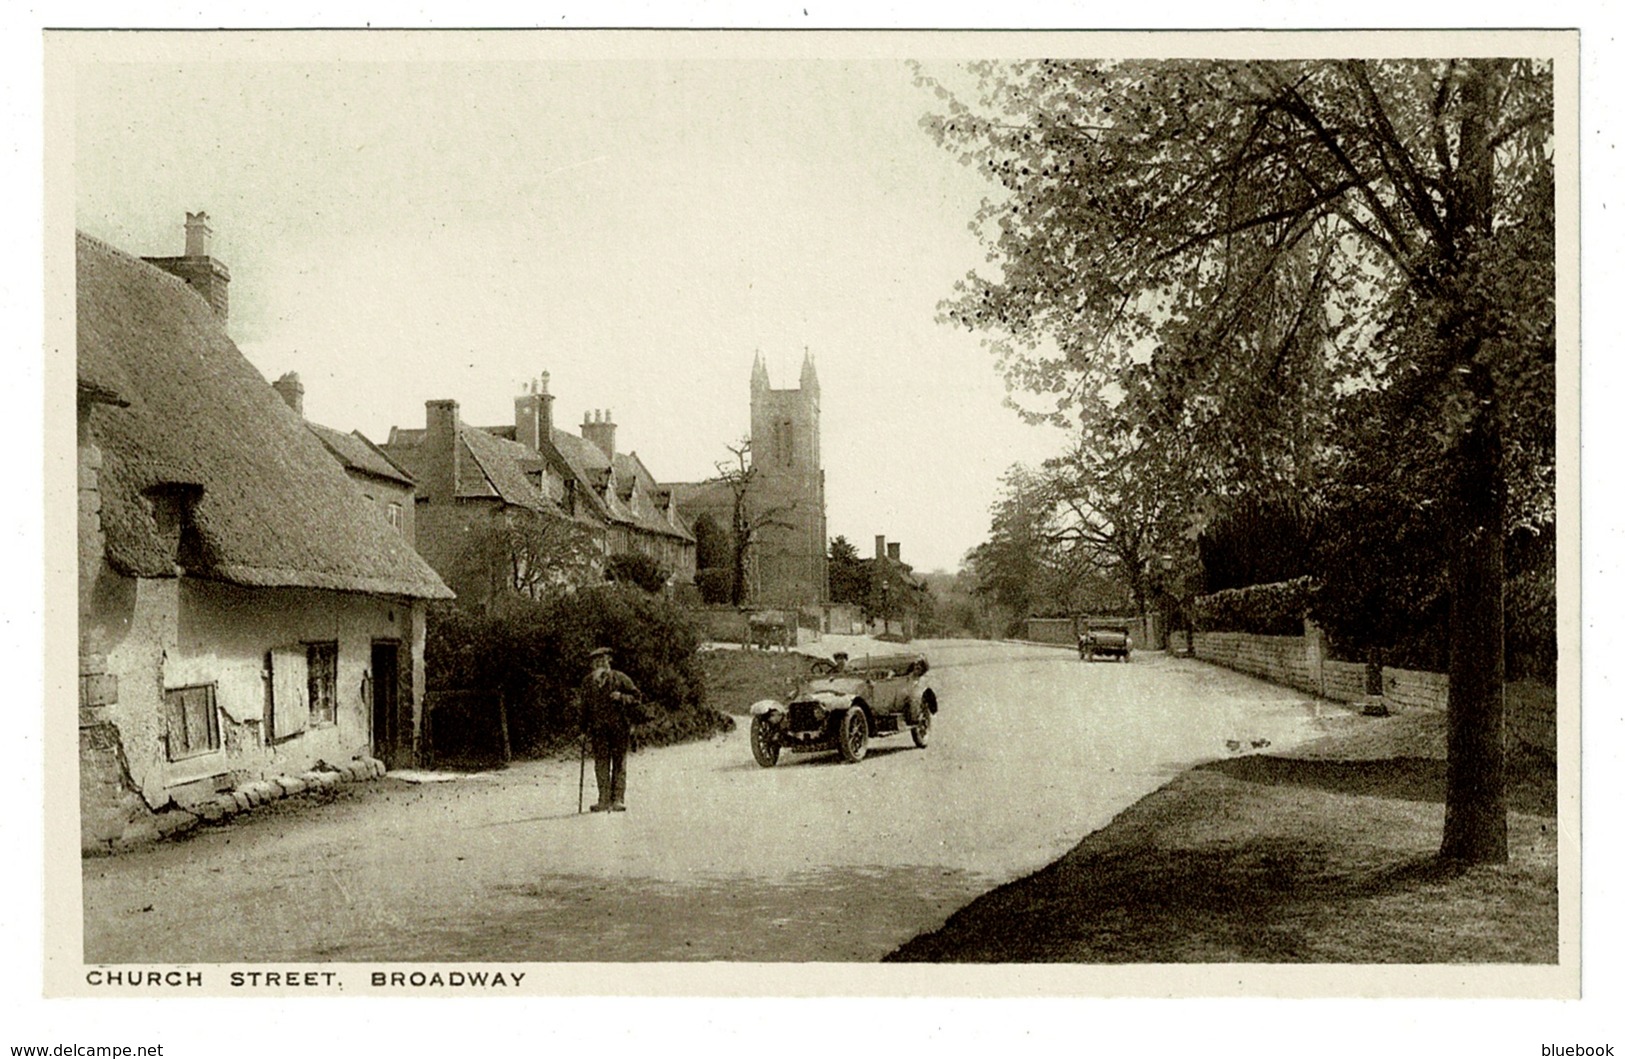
<point>763,746</point>
<point>854,735</point>
<point>922,730</point>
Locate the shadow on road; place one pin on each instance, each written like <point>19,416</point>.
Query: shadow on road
<point>817,759</point>
<point>540,819</point>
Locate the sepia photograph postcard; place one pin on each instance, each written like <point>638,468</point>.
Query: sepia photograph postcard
<point>752,513</point>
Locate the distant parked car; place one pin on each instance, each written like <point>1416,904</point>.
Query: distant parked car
<point>1102,637</point>
<point>841,708</point>
<point>772,628</point>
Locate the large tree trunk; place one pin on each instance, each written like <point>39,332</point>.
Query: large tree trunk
<point>1475,829</point>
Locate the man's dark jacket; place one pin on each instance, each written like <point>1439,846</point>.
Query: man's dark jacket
<point>609,705</point>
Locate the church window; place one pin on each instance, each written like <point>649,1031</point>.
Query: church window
<point>787,443</point>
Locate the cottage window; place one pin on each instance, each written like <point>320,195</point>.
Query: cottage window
<point>191,725</point>
<point>322,675</point>
<point>394,513</point>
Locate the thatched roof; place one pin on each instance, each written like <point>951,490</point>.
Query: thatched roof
<point>269,505</point>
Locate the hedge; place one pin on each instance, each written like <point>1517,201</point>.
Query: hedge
<point>1276,609</point>
<point>536,654</point>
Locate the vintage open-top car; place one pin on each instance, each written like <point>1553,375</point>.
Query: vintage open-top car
<point>840,707</point>
<point>1105,637</point>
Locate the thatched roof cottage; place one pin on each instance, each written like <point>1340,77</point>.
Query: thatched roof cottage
<point>244,611</point>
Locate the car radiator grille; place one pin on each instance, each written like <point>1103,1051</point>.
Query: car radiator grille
<point>803,716</point>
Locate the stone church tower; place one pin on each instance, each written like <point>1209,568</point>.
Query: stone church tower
<point>789,563</point>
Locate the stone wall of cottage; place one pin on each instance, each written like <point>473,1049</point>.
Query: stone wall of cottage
<point>110,801</point>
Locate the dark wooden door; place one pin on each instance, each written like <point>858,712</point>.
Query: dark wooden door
<point>386,694</point>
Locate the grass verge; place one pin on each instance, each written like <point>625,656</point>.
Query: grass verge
<point>735,679</point>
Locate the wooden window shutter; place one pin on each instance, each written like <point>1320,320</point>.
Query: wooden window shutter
<point>290,703</point>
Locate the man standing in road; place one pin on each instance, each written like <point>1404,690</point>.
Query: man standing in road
<point>608,701</point>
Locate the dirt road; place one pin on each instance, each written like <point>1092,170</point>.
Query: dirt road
<point>717,859</point>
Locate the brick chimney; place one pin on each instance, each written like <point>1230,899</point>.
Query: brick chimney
<point>544,410</point>
<point>880,546</point>
<point>599,428</point>
<point>292,391</point>
<point>533,414</point>
<point>894,551</point>
<point>437,483</point>
<point>200,271</point>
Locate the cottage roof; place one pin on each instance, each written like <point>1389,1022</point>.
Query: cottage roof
<point>493,467</point>
<point>356,453</point>
<point>274,508</point>
<point>630,475</point>
<point>507,466</point>
<point>590,464</point>
<point>588,459</point>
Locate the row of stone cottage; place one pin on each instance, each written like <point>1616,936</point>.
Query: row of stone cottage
<point>252,587</point>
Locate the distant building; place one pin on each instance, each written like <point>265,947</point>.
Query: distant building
<point>896,596</point>
<point>243,611</point>
<point>788,565</point>
<point>472,479</point>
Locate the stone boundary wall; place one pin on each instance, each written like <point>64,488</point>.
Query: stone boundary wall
<point>1066,630</point>
<point>1278,659</point>
<point>1052,630</point>
<point>1300,662</point>
<point>1343,681</point>
<point>1416,687</point>
<point>843,619</point>
<point>722,624</point>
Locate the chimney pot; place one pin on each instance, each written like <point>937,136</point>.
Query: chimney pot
<point>197,234</point>
<point>292,391</point>
<point>200,271</point>
<point>599,429</point>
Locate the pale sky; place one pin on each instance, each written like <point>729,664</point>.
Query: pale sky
<point>638,227</point>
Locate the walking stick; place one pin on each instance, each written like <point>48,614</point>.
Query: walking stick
<point>581,784</point>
